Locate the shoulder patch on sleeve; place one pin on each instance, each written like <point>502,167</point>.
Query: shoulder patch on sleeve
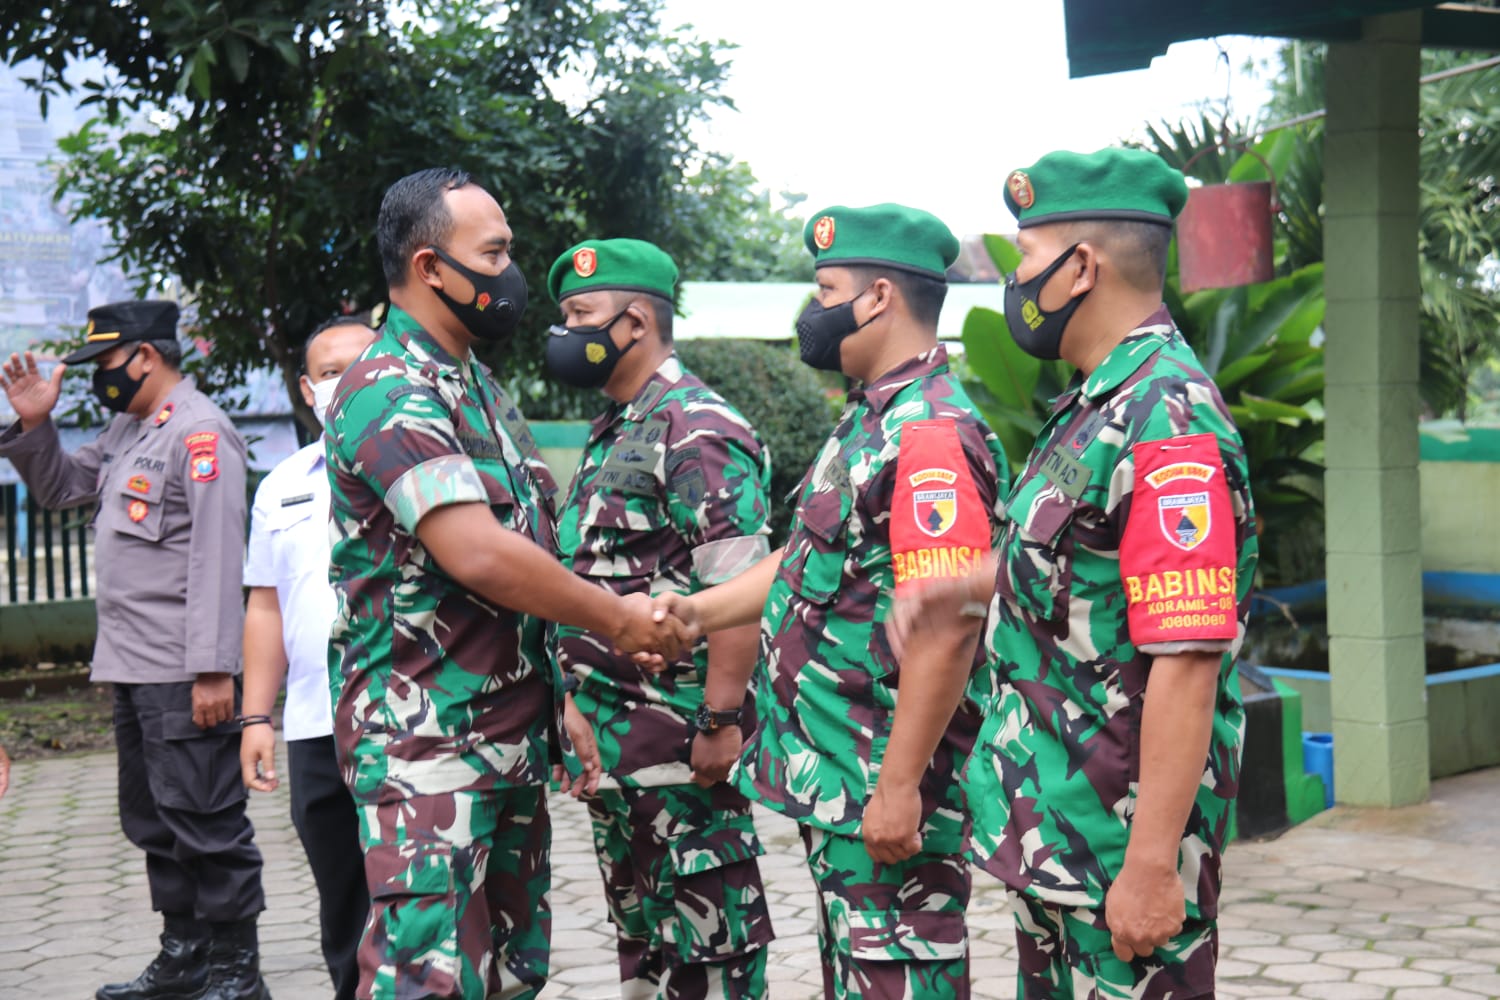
<point>1177,556</point>
<point>690,486</point>
<point>939,529</point>
<point>400,391</point>
<point>203,456</point>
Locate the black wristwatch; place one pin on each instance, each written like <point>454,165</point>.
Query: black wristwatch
<point>707,720</point>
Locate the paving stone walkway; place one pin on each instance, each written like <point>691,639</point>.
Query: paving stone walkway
<point>1399,904</point>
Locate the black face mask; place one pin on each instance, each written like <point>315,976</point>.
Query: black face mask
<point>584,356</point>
<point>1037,332</point>
<point>821,332</point>
<point>114,388</point>
<point>499,300</point>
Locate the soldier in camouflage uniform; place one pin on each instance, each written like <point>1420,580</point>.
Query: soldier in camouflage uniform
<point>446,697</point>
<point>905,492</point>
<point>670,495</point>
<point>1104,776</point>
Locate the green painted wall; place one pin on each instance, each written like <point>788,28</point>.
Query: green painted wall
<point>1460,474</point>
<point>561,444</point>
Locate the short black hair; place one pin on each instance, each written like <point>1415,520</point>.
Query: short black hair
<point>413,215</point>
<point>353,319</point>
<point>1137,249</point>
<point>924,296</point>
<point>170,349</point>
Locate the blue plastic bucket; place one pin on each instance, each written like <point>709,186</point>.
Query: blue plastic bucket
<point>1317,758</point>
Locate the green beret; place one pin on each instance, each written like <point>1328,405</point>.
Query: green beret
<point>1109,184</point>
<point>615,265</point>
<point>907,239</point>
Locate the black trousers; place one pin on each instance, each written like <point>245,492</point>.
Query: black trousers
<point>182,802</point>
<point>328,824</point>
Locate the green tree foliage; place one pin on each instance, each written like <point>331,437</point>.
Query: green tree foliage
<point>780,396</point>
<point>243,147</point>
<point>1459,215</point>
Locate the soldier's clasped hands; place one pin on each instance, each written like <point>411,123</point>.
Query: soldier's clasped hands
<point>655,639</point>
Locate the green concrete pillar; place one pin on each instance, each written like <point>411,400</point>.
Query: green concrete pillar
<point>1374,523</point>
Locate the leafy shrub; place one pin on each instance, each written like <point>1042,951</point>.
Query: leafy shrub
<point>780,396</point>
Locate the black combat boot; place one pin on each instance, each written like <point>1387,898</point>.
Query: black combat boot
<point>179,972</point>
<point>234,963</point>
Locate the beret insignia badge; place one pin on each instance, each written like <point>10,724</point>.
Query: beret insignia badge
<point>823,231</point>
<point>1020,189</point>
<point>585,262</point>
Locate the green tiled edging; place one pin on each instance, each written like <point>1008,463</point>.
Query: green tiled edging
<point>1304,792</point>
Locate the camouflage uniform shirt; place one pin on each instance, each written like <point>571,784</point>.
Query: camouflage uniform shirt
<point>670,496</point>
<point>1052,781</point>
<point>826,691</point>
<point>436,689</point>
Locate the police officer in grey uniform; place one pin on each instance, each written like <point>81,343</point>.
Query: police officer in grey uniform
<point>168,474</point>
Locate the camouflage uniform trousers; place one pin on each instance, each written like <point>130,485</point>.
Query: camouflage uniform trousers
<point>458,896</point>
<point>1065,953</point>
<point>892,932</point>
<point>684,891</point>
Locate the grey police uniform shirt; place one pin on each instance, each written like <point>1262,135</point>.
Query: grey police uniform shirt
<point>169,537</point>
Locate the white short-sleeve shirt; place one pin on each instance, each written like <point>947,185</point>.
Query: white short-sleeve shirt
<point>289,550</point>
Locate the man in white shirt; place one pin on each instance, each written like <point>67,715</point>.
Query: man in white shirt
<point>287,619</point>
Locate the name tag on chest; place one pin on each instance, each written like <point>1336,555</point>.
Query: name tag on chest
<point>1065,472</point>
<point>510,418</point>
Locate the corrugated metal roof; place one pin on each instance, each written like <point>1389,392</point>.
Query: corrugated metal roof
<point>1111,36</point>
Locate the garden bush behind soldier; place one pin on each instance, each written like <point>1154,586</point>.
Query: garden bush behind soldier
<point>168,473</point>
<point>670,494</point>
<point>447,696</point>
<point>1102,781</point>
<point>905,491</point>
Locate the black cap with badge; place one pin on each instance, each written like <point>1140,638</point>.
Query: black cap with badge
<point>125,322</point>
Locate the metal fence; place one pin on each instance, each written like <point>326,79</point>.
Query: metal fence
<point>48,553</point>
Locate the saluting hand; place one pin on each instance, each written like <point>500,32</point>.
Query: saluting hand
<point>258,758</point>
<point>30,395</point>
<point>213,699</point>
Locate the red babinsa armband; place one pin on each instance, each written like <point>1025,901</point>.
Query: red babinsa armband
<point>1177,559</point>
<point>939,528</point>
